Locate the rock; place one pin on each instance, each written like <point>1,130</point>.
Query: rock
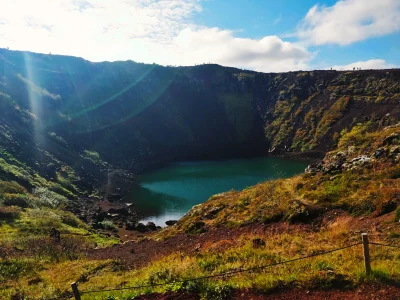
<point>140,227</point>
<point>196,227</point>
<point>171,222</point>
<point>313,168</point>
<point>301,212</point>
<point>351,149</point>
<point>386,208</point>
<point>151,226</point>
<point>341,154</point>
<point>122,210</point>
<point>394,138</point>
<point>214,211</point>
<point>130,225</point>
<point>379,152</point>
<point>360,160</point>
<point>394,150</point>
<point>336,162</point>
<point>333,177</point>
<point>258,243</point>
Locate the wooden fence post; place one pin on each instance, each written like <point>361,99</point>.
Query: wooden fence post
<point>75,291</point>
<point>367,260</point>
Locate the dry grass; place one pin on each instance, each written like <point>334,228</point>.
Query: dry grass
<point>343,268</point>
<point>373,190</point>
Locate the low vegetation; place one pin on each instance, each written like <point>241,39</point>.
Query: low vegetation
<point>368,189</point>
<point>342,269</point>
<point>26,247</point>
<point>359,187</point>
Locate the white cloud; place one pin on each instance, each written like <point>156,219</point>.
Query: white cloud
<point>349,21</point>
<point>94,29</point>
<point>142,30</point>
<point>365,65</point>
<point>221,46</point>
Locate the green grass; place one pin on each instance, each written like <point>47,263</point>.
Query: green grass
<point>338,269</point>
<point>46,269</point>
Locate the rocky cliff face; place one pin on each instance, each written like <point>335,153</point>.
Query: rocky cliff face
<point>132,116</point>
<point>305,111</point>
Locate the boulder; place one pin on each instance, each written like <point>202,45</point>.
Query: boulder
<point>130,225</point>
<point>335,163</point>
<point>196,227</point>
<point>140,227</point>
<point>213,212</point>
<point>151,226</point>
<point>360,161</point>
<point>394,150</point>
<point>121,210</point>
<point>313,168</point>
<point>171,222</point>
<point>302,212</point>
<point>379,152</point>
<point>394,138</point>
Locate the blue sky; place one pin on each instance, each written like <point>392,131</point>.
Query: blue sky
<point>258,18</point>
<point>262,35</point>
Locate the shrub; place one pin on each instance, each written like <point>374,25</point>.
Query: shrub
<point>219,292</point>
<point>19,200</point>
<point>59,189</point>
<point>397,215</point>
<point>164,275</point>
<point>71,220</point>
<point>68,248</point>
<point>356,137</point>
<point>12,269</point>
<point>107,224</point>
<point>93,156</point>
<point>40,221</point>
<point>11,187</point>
<point>67,184</point>
<point>196,228</point>
<point>48,198</point>
<point>58,139</point>
<point>9,213</point>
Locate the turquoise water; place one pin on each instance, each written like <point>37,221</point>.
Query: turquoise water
<point>170,192</point>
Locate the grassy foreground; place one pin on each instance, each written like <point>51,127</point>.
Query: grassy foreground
<point>32,266</point>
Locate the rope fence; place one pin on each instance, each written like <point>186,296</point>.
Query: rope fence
<point>364,242</point>
<point>385,245</point>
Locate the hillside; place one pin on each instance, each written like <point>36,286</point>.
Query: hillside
<point>74,133</point>
<point>154,114</point>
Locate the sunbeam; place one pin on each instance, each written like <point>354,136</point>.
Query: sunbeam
<point>33,95</point>
<point>109,99</point>
<point>140,106</point>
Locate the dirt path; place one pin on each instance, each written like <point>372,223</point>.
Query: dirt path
<point>142,250</point>
<point>139,253</point>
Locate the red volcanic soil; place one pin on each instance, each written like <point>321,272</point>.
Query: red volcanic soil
<point>141,251</point>
<point>365,292</point>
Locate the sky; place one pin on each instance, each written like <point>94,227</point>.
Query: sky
<point>260,35</point>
